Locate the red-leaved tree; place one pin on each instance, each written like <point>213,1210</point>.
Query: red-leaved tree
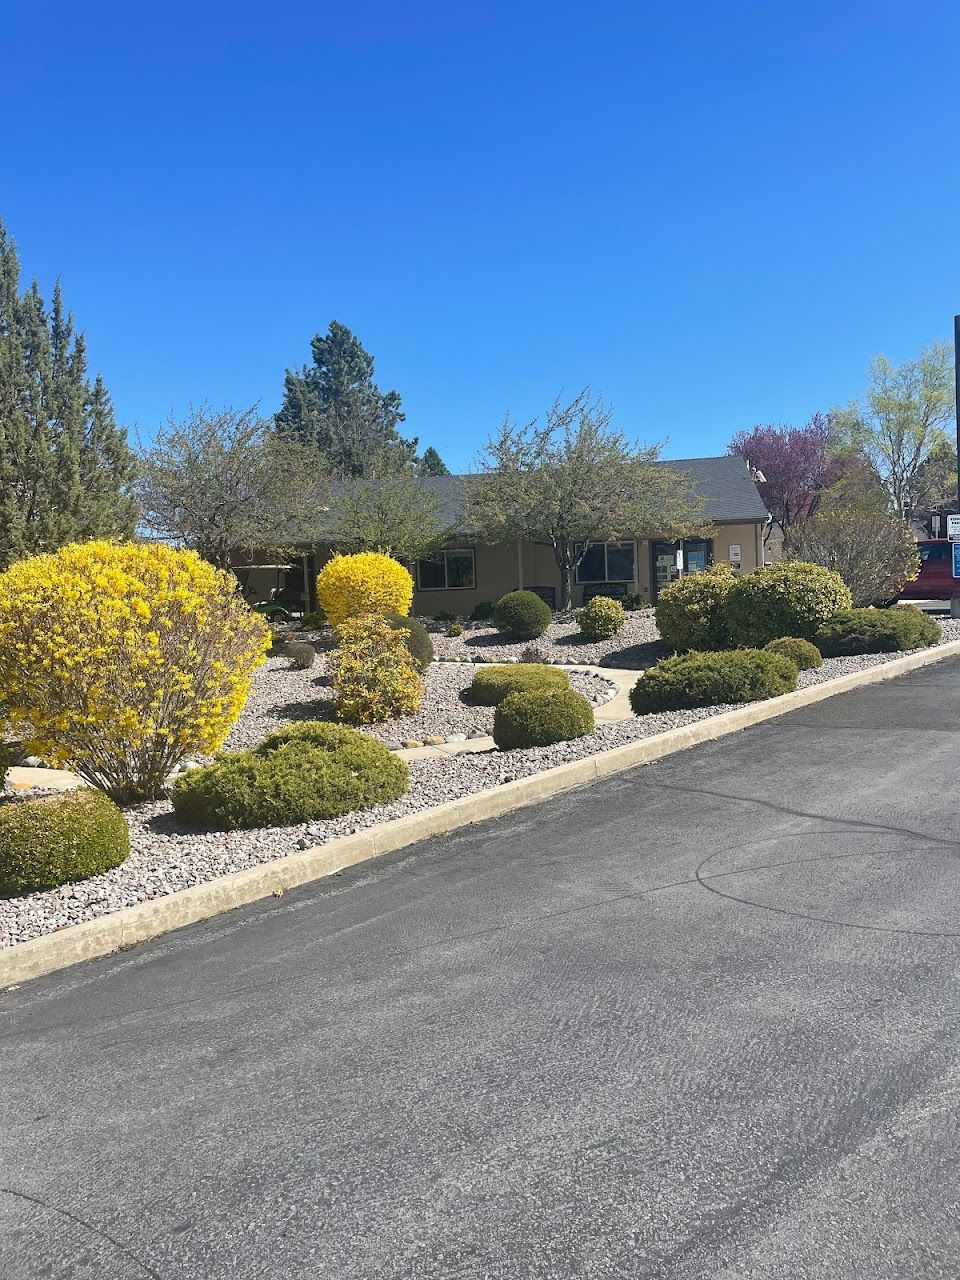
<point>793,463</point>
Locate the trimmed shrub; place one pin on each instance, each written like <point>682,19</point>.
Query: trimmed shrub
<point>349,586</point>
<point>455,629</point>
<point>314,621</point>
<point>690,611</point>
<point>302,773</point>
<point>492,684</point>
<point>541,718</point>
<point>119,660</point>
<point>633,601</point>
<point>712,679</point>
<point>601,619</point>
<point>301,654</point>
<point>54,840</point>
<point>787,599</point>
<point>482,611</point>
<point>806,655</point>
<point>445,615</point>
<point>535,653</point>
<point>374,675</point>
<point>521,615</point>
<point>877,631</point>
<point>416,637</point>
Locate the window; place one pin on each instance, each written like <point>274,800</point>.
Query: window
<point>933,551</point>
<point>606,562</point>
<point>448,571</point>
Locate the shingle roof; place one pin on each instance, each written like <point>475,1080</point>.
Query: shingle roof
<point>725,485</point>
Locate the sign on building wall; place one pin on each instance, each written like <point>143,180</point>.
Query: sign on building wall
<point>735,555</point>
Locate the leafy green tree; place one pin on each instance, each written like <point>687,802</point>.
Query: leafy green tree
<point>66,471</point>
<point>220,482</point>
<point>431,464</point>
<point>335,405</point>
<point>900,424</point>
<point>573,478</point>
<point>390,510</point>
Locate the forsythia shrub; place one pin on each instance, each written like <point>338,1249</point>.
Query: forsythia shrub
<point>349,586</point>
<point>787,599</point>
<point>690,611</point>
<point>117,660</point>
<point>601,619</point>
<point>374,674</point>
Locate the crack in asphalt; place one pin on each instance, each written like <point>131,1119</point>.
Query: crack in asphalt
<point>87,1226</point>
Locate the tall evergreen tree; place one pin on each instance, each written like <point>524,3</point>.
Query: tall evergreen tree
<point>66,471</point>
<point>431,464</point>
<point>336,405</point>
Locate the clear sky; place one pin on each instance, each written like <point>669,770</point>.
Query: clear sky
<point>713,213</point>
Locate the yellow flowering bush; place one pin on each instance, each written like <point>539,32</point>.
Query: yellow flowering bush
<point>374,675</point>
<point>348,586</point>
<point>117,660</point>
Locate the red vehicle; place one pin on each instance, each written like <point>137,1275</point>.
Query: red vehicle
<point>936,580</point>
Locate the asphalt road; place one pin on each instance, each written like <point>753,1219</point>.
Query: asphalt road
<point>698,1020</point>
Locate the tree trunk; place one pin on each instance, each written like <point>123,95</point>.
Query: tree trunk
<point>566,594</point>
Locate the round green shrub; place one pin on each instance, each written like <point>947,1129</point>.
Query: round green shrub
<point>712,679</point>
<point>806,655</point>
<point>302,773</point>
<point>492,684</point>
<point>314,621</point>
<point>690,612</point>
<point>601,619</point>
<point>300,653</point>
<point>417,638</point>
<point>482,611</point>
<point>877,631</point>
<point>521,615</point>
<point>455,629</point>
<point>787,599</point>
<point>54,840</point>
<point>540,718</point>
<point>444,615</point>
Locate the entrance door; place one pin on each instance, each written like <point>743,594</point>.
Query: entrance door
<point>697,554</point>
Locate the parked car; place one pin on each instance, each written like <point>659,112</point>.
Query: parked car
<point>936,580</point>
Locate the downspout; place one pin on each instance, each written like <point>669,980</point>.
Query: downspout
<point>519,564</point>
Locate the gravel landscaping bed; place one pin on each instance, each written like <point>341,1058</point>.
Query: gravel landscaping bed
<point>279,695</point>
<point>637,645</point>
<point>166,856</point>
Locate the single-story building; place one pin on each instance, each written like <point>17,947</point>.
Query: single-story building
<point>467,571</point>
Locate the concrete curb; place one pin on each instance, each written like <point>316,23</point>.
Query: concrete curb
<point>162,915</point>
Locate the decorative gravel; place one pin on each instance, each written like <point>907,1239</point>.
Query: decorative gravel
<point>166,856</point>
<point>280,694</point>
<point>636,646</point>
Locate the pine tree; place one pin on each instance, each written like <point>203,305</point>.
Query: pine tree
<point>66,471</point>
<point>431,464</point>
<point>336,405</point>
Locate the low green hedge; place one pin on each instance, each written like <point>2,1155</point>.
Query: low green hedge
<point>302,773</point>
<point>712,679</point>
<point>877,631</point>
<point>541,718</point>
<point>806,655</point>
<point>300,653</point>
<point>54,840</point>
<point>601,619</point>
<point>521,615</point>
<point>492,684</point>
<point>417,637</point>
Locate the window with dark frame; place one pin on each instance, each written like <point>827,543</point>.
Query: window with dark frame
<point>607,562</point>
<point>454,570</point>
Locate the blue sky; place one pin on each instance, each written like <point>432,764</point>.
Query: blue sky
<point>713,214</point>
